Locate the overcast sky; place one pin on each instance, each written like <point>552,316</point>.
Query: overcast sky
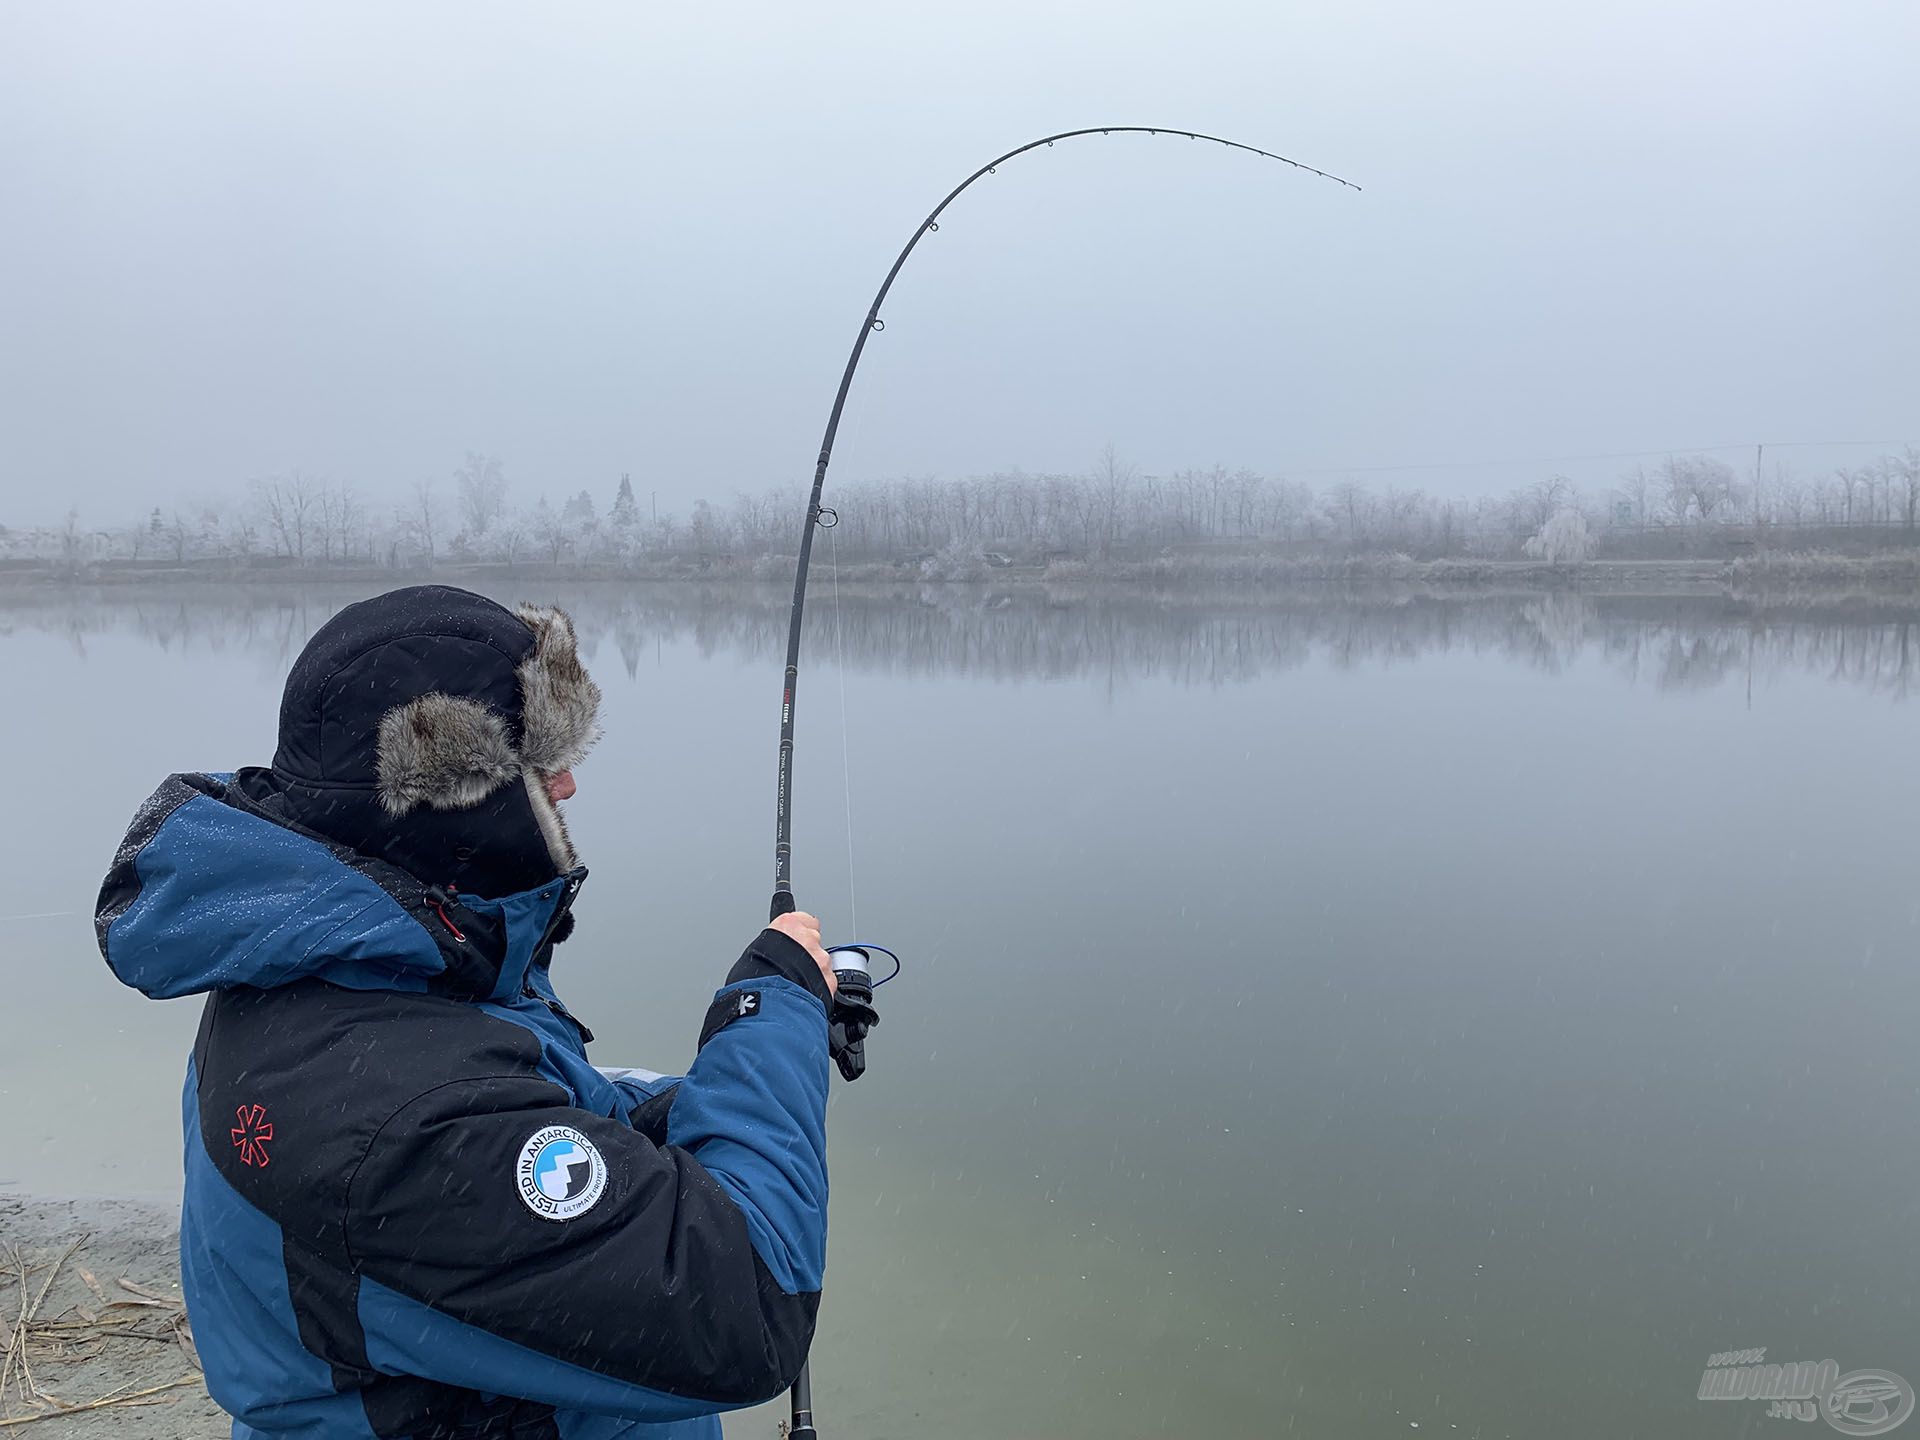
<point>362,239</point>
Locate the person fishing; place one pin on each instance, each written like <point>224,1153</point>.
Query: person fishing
<point>373,920</point>
<point>412,1207</point>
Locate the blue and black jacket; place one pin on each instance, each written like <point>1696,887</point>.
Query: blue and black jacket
<point>412,1207</point>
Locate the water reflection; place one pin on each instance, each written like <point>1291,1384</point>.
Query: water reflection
<point>1330,1037</point>
<point>1673,643</point>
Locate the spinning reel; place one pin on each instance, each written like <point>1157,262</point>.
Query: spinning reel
<point>853,1014</point>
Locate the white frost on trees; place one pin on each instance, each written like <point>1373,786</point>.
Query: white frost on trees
<point>1563,539</point>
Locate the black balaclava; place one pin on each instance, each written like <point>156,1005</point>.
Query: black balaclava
<point>418,728</point>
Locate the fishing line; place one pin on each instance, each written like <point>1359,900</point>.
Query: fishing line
<point>846,765</point>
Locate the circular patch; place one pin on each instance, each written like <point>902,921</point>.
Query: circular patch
<point>561,1174</point>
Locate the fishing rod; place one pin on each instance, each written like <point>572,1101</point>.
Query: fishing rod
<point>853,1012</point>
<point>825,518</point>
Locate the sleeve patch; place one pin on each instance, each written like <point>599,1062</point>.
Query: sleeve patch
<point>560,1173</point>
<point>729,1006</point>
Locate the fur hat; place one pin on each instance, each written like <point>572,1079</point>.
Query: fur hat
<point>450,752</point>
<point>420,726</point>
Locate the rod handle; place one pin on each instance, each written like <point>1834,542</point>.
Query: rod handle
<point>782,904</point>
<point>801,1427</point>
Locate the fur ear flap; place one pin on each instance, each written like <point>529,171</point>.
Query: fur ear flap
<point>559,703</point>
<point>448,752</point>
<point>441,751</point>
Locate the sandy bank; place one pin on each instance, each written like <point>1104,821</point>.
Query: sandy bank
<point>90,1311</point>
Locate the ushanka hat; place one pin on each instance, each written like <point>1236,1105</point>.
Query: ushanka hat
<point>420,727</point>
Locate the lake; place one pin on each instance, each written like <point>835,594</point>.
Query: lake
<point>1326,1015</point>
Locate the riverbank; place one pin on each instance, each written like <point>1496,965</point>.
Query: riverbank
<point>92,1326</point>
<point>1893,572</point>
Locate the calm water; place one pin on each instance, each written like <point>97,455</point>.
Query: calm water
<point>1320,1019</point>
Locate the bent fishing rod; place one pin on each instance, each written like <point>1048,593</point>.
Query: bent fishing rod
<point>853,1012</point>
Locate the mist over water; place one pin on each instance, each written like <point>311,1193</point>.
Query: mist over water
<point>1322,1015</point>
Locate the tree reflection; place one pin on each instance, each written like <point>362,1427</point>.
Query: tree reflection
<point>1674,643</point>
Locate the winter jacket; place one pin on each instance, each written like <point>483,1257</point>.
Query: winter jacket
<point>412,1207</point>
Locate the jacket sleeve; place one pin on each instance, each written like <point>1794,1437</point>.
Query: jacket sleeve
<point>511,1242</point>
<point>636,1087</point>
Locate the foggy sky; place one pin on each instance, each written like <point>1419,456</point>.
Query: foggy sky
<point>361,240</point>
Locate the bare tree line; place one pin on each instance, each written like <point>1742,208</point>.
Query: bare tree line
<point>957,528</point>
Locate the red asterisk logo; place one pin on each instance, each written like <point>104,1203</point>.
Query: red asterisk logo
<point>250,1136</point>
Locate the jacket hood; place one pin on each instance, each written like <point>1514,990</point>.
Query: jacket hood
<point>215,886</point>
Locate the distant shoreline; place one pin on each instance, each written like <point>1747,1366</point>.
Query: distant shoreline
<point>1819,574</point>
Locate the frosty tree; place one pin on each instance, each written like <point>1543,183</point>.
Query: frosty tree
<point>1563,539</point>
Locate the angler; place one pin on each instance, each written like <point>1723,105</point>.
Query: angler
<point>412,1207</point>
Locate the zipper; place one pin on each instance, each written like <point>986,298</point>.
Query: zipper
<point>560,912</point>
<point>559,1009</point>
